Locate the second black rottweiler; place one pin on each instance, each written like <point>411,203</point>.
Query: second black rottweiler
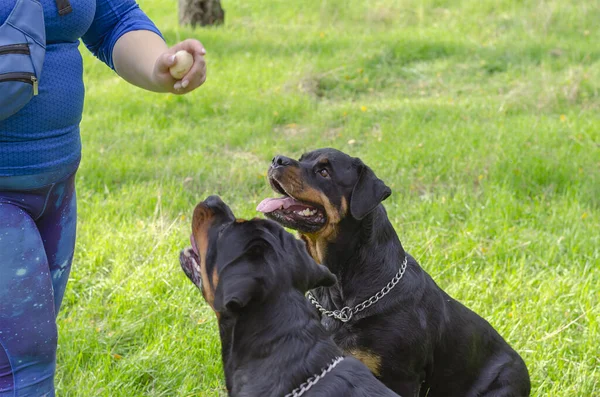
<point>386,310</point>
<point>254,275</point>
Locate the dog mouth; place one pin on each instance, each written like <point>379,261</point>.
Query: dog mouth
<point>190,263</point>
<point>290,212</point>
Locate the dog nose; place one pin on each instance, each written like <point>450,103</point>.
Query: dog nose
<point>213,201</point>
<point>280,161</point>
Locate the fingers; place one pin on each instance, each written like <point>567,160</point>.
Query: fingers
<point>196,76</point>
<point>192,46</point>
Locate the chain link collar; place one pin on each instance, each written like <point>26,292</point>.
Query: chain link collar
<point>345,314</point>
<point>310,382</point>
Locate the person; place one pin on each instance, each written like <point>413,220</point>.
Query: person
<point>40,151</point>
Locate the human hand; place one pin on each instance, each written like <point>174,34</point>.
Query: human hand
<point>193,79</point>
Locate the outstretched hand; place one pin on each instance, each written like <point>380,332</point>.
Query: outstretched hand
<point>193,79</point>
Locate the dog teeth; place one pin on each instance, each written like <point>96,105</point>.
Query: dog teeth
<point>195,264</point>
<point>306,212</point>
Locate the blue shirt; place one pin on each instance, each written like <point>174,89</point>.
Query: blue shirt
<point>44,135</point>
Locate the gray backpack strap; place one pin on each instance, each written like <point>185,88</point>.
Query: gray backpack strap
<point>64,7</point>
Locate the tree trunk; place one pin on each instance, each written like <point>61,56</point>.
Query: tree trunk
<point>201,12</point>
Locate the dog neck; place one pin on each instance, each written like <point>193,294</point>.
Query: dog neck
<point>283,332</point>
<point>367,249</point>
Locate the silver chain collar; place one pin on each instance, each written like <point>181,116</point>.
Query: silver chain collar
<point>310,382</point>
<point>345,314</point>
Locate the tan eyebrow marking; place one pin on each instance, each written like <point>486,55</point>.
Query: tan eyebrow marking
<point>323,162</point>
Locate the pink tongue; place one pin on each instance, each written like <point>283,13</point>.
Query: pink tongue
<point>272,204</point>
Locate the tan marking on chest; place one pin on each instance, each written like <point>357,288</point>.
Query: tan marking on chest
<point>371,360</point>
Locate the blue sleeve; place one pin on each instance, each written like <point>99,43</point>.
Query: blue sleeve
<point>112,20</point>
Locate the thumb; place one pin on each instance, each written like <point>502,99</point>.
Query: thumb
<point>165,61</point>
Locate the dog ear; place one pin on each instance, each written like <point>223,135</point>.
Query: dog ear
<point>234,291</point>
<point>368,192</point>
<point>239,283</point>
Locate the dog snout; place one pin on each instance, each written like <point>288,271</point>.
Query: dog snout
<point>281,161</point>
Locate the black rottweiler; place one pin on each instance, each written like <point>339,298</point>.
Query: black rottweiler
<point>254,275</point>
<point>388,312</point>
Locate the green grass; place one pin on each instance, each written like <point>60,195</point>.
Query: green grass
<point>483,117</point>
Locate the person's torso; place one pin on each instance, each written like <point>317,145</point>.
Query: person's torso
<point>44,135</point>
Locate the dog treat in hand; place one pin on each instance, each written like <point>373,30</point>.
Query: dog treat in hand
<point>184,63</point>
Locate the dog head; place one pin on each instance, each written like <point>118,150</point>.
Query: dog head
<point>319,190</point>
<point>235,262</point>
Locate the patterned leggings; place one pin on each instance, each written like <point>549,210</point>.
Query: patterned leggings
<point>37,238</point>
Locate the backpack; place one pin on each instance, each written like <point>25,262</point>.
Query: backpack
<point>22,52</point>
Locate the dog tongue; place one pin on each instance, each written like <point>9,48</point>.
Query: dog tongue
<point>271,204</point>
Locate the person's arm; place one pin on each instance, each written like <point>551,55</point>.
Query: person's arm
<point>124,38</point>
<point>142,58</point>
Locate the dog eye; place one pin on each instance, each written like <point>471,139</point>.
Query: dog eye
<point>323,172</point>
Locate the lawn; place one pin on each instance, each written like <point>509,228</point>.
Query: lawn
<point>482,116</point>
